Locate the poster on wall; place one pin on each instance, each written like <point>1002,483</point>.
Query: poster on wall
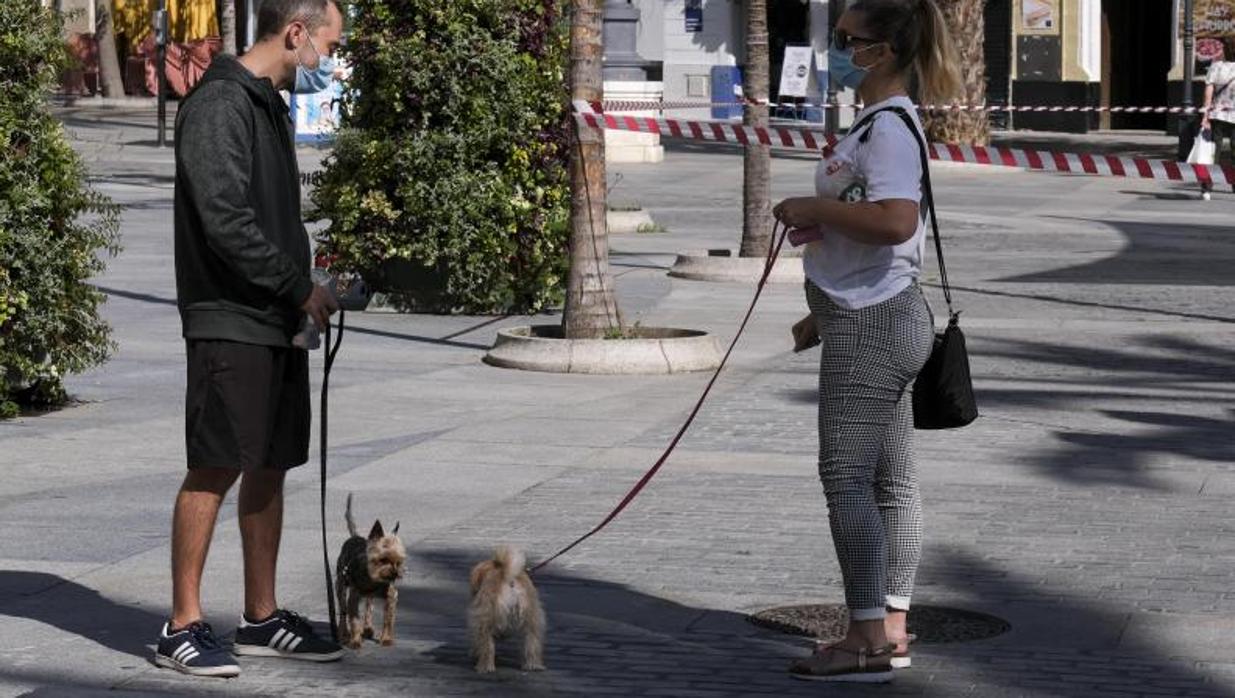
<point>694,16</point>
<point>795,71</point>
<point>1040,16</point>
<point>1214,20</point>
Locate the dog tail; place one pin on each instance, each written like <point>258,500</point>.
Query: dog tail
<point>347,515</point>
<point>511,560</point>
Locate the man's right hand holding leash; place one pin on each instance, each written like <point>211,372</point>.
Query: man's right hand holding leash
<point>319,306</point>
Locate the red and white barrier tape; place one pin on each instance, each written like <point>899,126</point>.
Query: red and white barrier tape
<point>618,105</point>
<point>799,138</point>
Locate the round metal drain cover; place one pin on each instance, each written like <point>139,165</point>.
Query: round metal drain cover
<point>932,624</point>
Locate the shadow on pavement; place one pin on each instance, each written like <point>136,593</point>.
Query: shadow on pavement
<point>78,611</point>
<point>1086,304</point>
<point>1062,644</point>
<point>1189,373</point>
<point>1176,255</point>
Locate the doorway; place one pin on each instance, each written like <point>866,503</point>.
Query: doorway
<point>997,51</point>
<point>1136,58</point>
<point>788,23</point>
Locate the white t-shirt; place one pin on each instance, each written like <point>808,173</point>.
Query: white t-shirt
<point>1222,76</point>
<point>887,166</point>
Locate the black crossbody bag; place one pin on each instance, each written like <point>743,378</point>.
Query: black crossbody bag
<point>943,392</point>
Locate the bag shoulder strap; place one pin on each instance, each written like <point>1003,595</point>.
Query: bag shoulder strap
<point>928,195</point>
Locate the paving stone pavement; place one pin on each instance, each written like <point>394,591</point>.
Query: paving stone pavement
<point>1090,506</point>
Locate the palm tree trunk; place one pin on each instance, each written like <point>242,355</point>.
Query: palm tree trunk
<point>591,307</point>
<point>227,25</point>
<point>110,81</point>
<point>966,22</point>
<point>757,159</point>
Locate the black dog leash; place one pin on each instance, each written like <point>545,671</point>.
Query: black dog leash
<point>331,351</point>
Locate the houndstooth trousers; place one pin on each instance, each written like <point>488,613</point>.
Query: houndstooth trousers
<point>870,357</point>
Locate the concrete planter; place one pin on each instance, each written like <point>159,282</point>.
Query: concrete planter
<point>628,221</point>
<point>725,265</point>
<point>657,350</point>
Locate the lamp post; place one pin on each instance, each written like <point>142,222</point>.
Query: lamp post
<point>831,120</point>
<point>160,63</point>
<point>1189,51</point>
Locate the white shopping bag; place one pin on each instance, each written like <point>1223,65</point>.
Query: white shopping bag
<point>1203,150</point>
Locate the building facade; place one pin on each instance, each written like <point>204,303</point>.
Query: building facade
<point>1094,53</point>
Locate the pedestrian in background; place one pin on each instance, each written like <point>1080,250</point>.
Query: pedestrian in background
<point>866,230</point>
<point>1219,106</point>
<point>243,287</point>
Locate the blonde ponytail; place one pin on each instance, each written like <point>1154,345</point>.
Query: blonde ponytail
<point>918,34</point>
<point>936,62</point>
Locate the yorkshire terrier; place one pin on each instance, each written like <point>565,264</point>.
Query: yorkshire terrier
<point>367,569</point>
<point>505,602</point>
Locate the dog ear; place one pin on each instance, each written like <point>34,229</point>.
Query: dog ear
<point>395,530</point>
<point>376,532</point>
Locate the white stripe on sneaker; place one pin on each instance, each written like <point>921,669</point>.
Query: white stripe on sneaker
<point>295,644</point>
<point>182,650</point>
<point>287,642</point>
<point>189,657</point>
<point>277,638</point>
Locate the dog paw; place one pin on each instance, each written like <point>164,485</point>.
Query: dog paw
<point>486,668</point>
<point>387,641</point>
<point>534,667</point>
<point>353,643</point>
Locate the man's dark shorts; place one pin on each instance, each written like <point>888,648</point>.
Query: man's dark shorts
<point>247,406</point>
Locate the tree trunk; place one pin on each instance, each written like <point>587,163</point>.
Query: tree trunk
<point>110,81</point>
<point>966,22</point>
<point>591,307</point>
<point>757,158</point>
<point>227,25</point>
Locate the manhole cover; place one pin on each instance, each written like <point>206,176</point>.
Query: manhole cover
<point>934,624</point>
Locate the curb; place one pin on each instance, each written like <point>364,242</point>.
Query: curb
<point>661,351</point>
<point>628,221</point>
<point>734,269</point>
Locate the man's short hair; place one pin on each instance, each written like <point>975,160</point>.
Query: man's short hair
<point>273,15</point>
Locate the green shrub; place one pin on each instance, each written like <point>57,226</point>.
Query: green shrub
<point>52,225</point>
<point>453,153</point>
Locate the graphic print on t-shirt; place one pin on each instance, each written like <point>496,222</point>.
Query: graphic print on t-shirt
<point>878,162</point>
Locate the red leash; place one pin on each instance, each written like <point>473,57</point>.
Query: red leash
<point>778,239</point>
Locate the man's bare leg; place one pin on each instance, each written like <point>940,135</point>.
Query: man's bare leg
<point>197,509</point>
<point>261,528</point>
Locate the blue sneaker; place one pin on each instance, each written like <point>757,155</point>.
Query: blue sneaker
<point>285,634</point>
<point>195,650</point>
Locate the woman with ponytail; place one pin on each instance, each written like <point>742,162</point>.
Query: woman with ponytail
<point>864,230</point>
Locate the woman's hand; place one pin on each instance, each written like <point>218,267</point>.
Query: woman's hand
<point>805,334</point>
<point>798,212</point>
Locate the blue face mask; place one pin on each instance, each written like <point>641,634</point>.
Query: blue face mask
<point>840,65</point>
<point>309,81</point>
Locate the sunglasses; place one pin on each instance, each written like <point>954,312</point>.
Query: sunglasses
<point>842,40</point>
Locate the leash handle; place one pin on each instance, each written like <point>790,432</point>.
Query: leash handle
<point>331,351</point>
<point>774,247</point>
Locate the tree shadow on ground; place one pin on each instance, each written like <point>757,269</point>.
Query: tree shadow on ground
<point>1159,371</point>
<point>1175,255</point>
<point>1061,643</point>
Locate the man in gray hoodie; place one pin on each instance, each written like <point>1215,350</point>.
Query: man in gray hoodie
<point>243,288</point>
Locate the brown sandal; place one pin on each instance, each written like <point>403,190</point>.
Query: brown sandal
<point>835,663</point>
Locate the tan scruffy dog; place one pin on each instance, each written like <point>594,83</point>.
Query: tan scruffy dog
<point>367,569</point>
<point>505,602</point>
